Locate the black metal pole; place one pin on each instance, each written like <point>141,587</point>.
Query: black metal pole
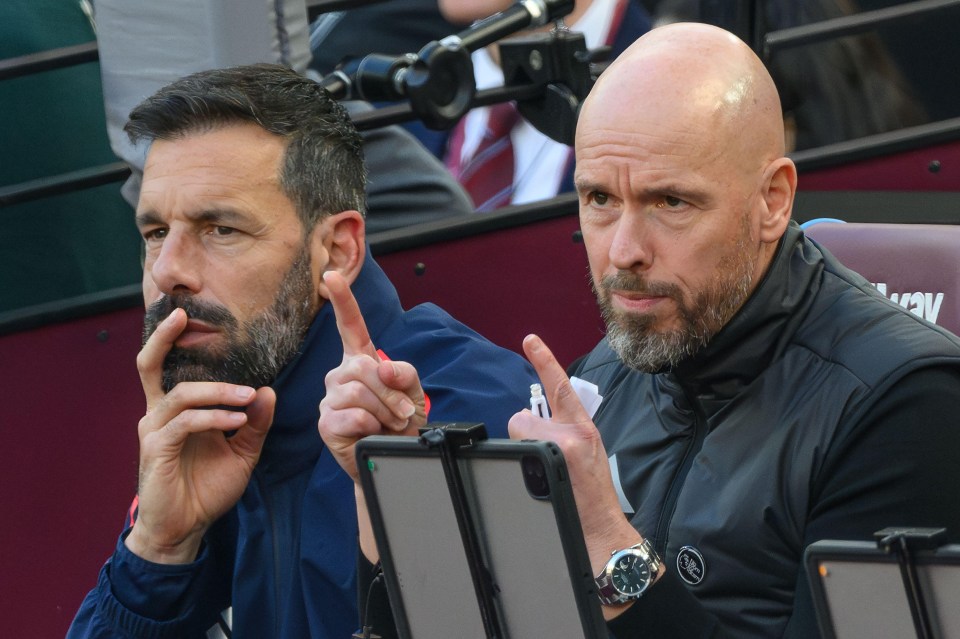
<point>852,25</point>
<point>447,441</point>
<point>49,60</point>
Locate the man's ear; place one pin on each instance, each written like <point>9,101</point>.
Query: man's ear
<point>779,188</point>
<point>338,243</point>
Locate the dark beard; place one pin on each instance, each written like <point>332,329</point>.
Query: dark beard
<point>253,353</point>
<point>632,336</point>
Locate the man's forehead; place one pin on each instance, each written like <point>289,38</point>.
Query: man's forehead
<point>247,154</point>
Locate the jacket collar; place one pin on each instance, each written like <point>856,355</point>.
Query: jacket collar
<point>300,385</point>
<point>760,331</point>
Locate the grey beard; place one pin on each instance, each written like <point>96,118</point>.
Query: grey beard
<point>255,352</point>
<point>633,338</point>
<point>642,349</point>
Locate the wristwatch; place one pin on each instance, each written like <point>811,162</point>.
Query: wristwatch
<point>628,574</point>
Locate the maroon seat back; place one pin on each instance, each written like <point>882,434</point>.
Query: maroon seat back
<point>915,265</point>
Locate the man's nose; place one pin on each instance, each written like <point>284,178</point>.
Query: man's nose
<point>176,267</point>
<point>629,246</point>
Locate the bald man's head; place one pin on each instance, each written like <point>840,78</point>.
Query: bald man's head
<point>698,78</point>
<point>684,190</point>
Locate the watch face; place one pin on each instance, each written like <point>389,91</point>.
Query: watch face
<point>631,575</point>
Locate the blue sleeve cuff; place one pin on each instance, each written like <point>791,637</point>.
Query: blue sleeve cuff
<point>152,590</point>
<point>144,598</point>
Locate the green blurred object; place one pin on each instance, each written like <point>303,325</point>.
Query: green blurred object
<point>52,123</point>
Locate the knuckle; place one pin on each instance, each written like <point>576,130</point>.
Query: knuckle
<point>143,360</point>
<point>143,426</point>
<point>565,392</point>
<point>333,376</point>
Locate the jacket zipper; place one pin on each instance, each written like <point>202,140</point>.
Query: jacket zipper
<point>676,485</point>
<point>276,551</point>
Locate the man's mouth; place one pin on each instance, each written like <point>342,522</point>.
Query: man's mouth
<point>630,302</point>
<point>197,333</point>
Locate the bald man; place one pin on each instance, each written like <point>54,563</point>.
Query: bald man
<point>757,396</point>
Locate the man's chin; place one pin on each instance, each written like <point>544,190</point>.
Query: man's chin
<point>646,323</point>
<point>194,373</point>
<point>192,365</point>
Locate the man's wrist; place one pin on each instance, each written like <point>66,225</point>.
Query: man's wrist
<point>627,573</point>
<point>601,544</point>
<point>183,552</point>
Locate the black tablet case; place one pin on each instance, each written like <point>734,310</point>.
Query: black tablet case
<point>533,547</point>
<point>858,591</point>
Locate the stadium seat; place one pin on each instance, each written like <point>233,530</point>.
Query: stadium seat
<point>914,265</point>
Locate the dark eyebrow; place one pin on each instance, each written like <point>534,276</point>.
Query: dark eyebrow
<point>685,193</point>
<point>215,216</point>
<point>147,218</point>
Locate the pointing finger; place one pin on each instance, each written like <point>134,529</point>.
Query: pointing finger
<point>353,330</point>
<point>565,406</point>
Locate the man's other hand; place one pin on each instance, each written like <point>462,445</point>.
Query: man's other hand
<point>605,528</point>
<point>191,473</point>
<point>364,395</point>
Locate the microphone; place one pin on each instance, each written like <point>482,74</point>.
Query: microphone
<point>378,77</point>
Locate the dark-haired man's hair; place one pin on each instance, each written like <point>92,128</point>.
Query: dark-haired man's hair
<point>322,169</point>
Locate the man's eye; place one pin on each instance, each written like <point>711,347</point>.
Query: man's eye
<point>154,234</point>
<point>599,197</point>
<point>670,202</point>
<point>224,230</point>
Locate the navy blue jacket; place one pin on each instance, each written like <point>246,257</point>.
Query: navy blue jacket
<point>284,557</point>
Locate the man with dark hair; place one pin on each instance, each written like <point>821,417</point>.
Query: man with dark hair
<point>756,396</point>
<point>253,190</point>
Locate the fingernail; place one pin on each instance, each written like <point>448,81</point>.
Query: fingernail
<point>407,409</point>
<point>244,392</point>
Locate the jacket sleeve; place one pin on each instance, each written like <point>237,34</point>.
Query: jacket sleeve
<point>895,466</point>
<point>898,466</point>
<point>137,598</point>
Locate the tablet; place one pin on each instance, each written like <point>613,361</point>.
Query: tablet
<point>525,519</point>
<point>858,590</point>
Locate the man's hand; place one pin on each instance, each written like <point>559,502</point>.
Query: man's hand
<point>190,472</point>
<point>364,396</point>
<point>604,526</point>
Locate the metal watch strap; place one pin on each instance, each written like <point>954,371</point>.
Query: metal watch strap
<point>607,592</point>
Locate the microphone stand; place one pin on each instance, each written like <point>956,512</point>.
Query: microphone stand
<point>547,74</point>
<point>438,81</point>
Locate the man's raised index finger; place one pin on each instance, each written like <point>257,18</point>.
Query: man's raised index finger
<point>565,406</point>
<point>353,330</point>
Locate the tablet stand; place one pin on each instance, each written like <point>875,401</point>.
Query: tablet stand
<point>448,439</point>
<point>902,542</point>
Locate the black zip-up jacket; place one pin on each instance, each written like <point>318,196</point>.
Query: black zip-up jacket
<point>822,410</point>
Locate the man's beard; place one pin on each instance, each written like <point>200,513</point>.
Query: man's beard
<point>254,352</point>
<point>633,337</point>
